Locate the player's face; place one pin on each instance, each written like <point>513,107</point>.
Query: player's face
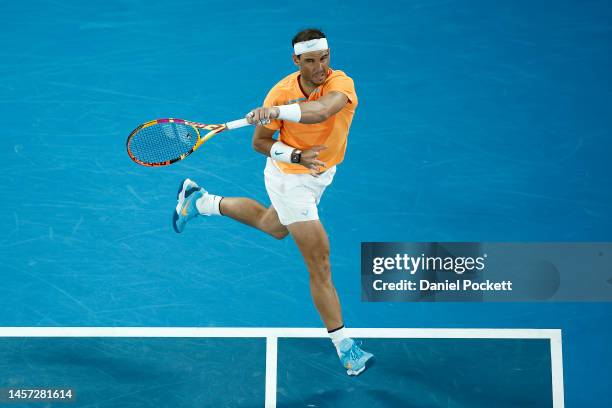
<point>313,66</point>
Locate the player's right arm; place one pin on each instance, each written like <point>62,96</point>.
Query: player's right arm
<point>308,112</point>
<point>263,140</point>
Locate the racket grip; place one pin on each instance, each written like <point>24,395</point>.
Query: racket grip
<point>235,124</point>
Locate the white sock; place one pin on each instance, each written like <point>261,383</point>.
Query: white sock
<point>208,204</point>
<point>337,336</point>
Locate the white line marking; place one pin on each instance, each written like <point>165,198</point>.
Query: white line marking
<point>271,359</point>
<point>275,332</point>
<point>556,365</point>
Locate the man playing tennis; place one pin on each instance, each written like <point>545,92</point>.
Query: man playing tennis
<point>313,109</point>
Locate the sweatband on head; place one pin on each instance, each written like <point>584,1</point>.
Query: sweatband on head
<point>318,44</point>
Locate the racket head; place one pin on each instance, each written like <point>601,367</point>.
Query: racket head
<point>161,142</point>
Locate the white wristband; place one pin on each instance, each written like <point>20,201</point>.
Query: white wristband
<point>292,113</point>
<point>281,152</point>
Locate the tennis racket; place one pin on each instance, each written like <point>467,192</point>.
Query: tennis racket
<point>162,142</point>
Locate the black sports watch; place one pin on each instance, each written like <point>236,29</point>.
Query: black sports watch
<point>296,156</point>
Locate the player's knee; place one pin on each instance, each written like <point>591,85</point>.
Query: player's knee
<point>318,267</point>
<point>269,223</point>
<point>279,234</point>
<point>321,277</point>
<point>274,229</point>
<point>320,258</point>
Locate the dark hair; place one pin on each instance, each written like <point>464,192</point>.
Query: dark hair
<point>307,34</point>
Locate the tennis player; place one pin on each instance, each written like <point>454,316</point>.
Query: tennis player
<point>312,109</point>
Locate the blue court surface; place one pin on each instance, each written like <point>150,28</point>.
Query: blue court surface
<point>477,121</point>
<point>131,372</point>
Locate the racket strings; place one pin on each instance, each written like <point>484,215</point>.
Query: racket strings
<point>163,142</point>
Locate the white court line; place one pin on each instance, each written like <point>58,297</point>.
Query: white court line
<point>274,331</point>
<point>556,365</point>
<point>271,358</point>
<point>271,334</point>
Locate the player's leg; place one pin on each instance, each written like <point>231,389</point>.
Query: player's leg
<point>194,200</point>
<point>250,212</point>
<point>313,243</point>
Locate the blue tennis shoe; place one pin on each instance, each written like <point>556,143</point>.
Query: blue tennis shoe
<point>186,187</point>
<point>353,358</point>
<point>189,192</point>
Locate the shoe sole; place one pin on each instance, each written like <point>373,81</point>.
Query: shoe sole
<point>174,220</point>
<point>181,194</point>
<point>368,364</point>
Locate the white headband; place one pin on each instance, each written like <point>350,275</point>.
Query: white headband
<point>317,44</point>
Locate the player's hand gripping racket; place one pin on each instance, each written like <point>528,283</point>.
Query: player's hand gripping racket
<point>165,141</point>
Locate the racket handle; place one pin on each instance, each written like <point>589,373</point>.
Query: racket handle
<point>235,124</point>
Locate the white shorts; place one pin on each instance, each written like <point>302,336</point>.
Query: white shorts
<point>295,196</point>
